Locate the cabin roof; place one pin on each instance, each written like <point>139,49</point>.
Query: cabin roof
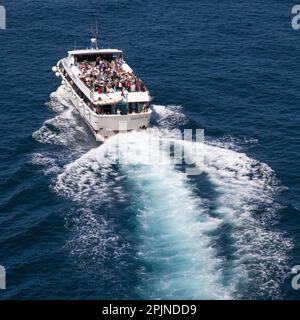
<point>93,51</point>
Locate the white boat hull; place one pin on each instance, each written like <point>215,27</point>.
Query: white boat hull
<point>104,126</point>
<point>89,103</point>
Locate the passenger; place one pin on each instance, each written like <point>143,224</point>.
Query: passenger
<point>138,87</point>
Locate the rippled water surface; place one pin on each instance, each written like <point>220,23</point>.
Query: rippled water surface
<point>73,227</point>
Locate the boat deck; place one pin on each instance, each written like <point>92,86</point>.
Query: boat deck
<point>104,77</point>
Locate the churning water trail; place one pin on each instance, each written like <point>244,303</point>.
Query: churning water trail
<point>172,234</point>
<point>245,190</point>
<point>202,237</point>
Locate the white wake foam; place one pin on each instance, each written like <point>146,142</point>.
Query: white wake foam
<point>246,189</point>
<point>176,225</point>
<point>178,228</point>
<point>64,128</point>
<point>46,161</point>
<point>170,117</point>
<point>172,234</point>
<point>89,180</point>
<point>94,241</point>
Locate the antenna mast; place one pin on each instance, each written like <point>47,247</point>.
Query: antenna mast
<point>94,42</point>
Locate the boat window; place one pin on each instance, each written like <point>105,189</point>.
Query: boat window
<point>133,107</point>
<point>93,57</point>
<point>121,108</point>
<point>107,109</point>
<point>141,107</point>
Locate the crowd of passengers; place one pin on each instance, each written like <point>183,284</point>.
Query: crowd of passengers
<point>107,77</point>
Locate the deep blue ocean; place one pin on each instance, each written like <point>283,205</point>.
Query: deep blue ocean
<point>73,229</point>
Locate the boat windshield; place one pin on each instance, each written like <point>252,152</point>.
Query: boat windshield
<point>94,57</point>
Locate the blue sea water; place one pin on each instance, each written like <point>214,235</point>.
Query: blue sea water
<point>71,228</point>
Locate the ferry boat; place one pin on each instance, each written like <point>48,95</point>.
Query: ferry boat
<point>104,90</point>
